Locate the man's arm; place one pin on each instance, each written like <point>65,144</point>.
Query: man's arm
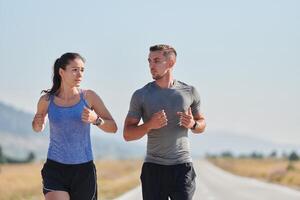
<point>133,131</point>
<point>197,118</point>
<point>200,120</point>
<point>194,122</point>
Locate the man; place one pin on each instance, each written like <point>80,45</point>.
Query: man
<point>169,108</point>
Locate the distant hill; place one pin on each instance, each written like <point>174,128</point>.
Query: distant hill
<point>17,138</point>
<point>15,121</point>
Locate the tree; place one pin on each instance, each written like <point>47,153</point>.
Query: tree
<point>227,154</point>
<point>256,155</point>
<point>273,154</point>
<point>2,159</point>
<point>293,156</point>
<point>30,157</point>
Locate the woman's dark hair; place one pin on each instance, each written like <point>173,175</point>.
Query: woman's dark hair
<point>61,62</point>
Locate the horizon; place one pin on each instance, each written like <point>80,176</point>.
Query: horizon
<point>220,133</point>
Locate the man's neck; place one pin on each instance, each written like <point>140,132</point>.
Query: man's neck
<point>165,82</point>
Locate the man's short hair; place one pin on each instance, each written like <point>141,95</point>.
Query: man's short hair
<point>167,49</point>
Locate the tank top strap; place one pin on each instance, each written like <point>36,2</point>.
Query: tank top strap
<point>81,92</point>
<point>51,98</point>
<point>82,98</point>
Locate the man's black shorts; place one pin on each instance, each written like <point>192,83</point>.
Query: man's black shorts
<point>79,180</point>
<point>162,181</point>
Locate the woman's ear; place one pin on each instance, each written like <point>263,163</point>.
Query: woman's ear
<point>61,72</point>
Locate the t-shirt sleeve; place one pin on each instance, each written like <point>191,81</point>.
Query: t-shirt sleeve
<point>196,101</point>
<point>135,108</point>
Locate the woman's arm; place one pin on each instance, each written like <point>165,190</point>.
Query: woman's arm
<point>39,120</point>
<point>97,105</point>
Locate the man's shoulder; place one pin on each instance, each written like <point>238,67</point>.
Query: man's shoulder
<point>187,87</point>
<point>184,85</point>
<point>143,89</point>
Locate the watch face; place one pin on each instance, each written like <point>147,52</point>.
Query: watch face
<point>197,125</point>
<point>98,122</point>
<point>101,121</point>
<point>194,126</point>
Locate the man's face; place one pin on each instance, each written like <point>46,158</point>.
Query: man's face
<point>159,64</point>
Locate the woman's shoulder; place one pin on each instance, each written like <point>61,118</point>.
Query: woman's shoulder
<point>91,97</point>
<point>43,102</point>
<point>45,98</point>
<point>88,93</point>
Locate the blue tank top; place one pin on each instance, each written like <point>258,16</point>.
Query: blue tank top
<point>70,141</point>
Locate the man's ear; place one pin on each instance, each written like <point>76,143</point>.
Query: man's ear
<point>171,63</point>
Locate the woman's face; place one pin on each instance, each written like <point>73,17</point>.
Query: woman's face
<point>73,74</point>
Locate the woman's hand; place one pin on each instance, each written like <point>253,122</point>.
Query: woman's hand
<point>88,115</point>
<point>38,123</point>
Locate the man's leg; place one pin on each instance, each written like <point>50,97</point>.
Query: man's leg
<point>184,183</point>
<point>153,184</point>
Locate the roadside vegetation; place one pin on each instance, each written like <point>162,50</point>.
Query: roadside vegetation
<point>280,169</point>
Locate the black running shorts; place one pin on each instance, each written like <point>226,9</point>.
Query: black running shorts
<point>79,180</point>
<point>160,182</point>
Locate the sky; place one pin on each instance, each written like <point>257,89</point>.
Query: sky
<point>242,56</point>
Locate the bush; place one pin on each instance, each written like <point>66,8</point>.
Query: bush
<point>293,156</point>
<point>227,154</point>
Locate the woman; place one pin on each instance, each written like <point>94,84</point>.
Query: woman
<point>69,172</point>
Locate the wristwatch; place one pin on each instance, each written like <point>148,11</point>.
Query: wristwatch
<point>99,121</point>
<point>195,125</point>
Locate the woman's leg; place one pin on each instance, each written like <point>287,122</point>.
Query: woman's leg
<point>57,195</point>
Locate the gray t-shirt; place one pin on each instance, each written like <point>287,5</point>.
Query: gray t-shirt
<point>168,145</point>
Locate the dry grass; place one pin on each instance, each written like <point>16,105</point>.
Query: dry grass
<point>116,177</point>
<point>20,181</point>
<point>271,170</point>
<point>23,181</point>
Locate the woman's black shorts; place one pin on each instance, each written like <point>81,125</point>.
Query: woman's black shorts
<point>79,180</point>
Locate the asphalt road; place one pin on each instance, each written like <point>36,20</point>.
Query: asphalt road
<point>214,183</point>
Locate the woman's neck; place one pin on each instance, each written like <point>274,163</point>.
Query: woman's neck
<point>67,93</point>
